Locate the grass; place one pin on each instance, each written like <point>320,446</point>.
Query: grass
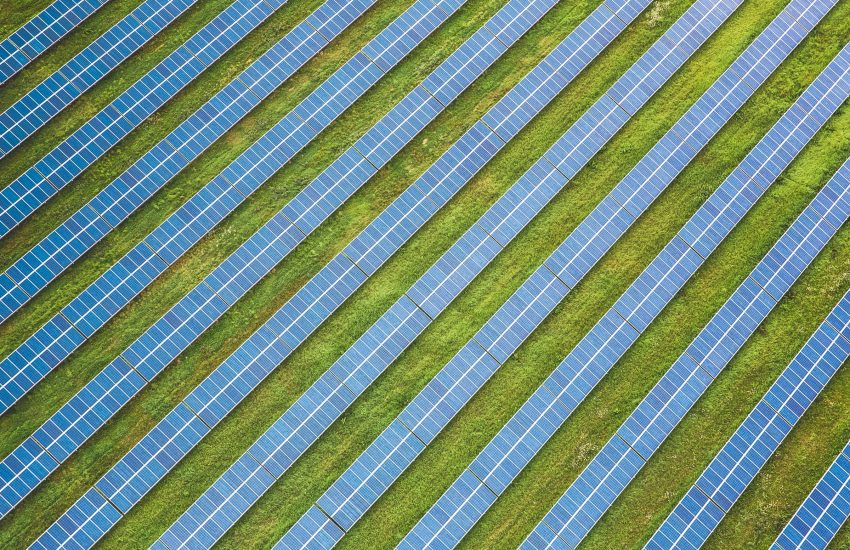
<point>759,515</point>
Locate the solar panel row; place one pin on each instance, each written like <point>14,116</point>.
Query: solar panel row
<point>146,463</point>
<point>823,512</point>
<point>66,430</point>
<point>69,82</point>
<point>389,455</point>
<point>498,464</point>
<point>96,402</point>
<point>49,346</point>
<point>611,470</point>
<point>243,484</point>
<point>736,464</point>
<point>325,523</point>
<point>185,227</point>
<point>41,32</point>
<point>103,131</point>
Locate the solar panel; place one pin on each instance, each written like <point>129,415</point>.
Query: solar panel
<point>213,202</point>
<point>92,503</point>
<point>171,155</point>
<point>41,32</point>
<point>42,103</point>
<point>209,299</point>
<point>191,316</point>
<point>761,433</point>
<point>656,416</point>
<point>220,392</point>
<point>159,337</point>
<point>88,143</point>
<point>451,517</point>
<point>823,512</point>
<point>376,469</point>
<point>328,397</point>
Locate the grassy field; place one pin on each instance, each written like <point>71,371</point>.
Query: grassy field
<point>753,522</point>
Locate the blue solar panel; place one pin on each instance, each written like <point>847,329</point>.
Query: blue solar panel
<point>41,265</point>
<point>205,209</point>
<point>331,18</point>
<point>90,310</point>
<point>41,32</point>
<point>715,346</point>
<point>373,472</point>
<point>548,78</point>
<point>286,440</point>
<point>397,128</point>
<point>589,241</point>
<point>302,314</point>
<point>560,394</point>
<point>20,472</point>
<point>761,433</point>
<point>752,444</point>
<point>521,314</point>
<point>478,52</point>
<point>339,91</point>
<point>11,59</point>
<point>378,347</point>
<point>823,512</point>
<point>781,267</point>
<point>255,258</point>
<point>503,458</point>
<point>63,433</point>
<point>171,155</point>
<point>245,480</point>
<point>575,148</point>
<point>448,391</point>
<point>469,493</point>
<point>693,519</point>
<point>406,32</point>
<point>174,331</point>
<point>382,343</point>
<point>33,360</point>
<point>668,157</point>
<point>522,202</point>
<point>455,269</point>
<point>573,514</point>
<point>657,284</point>
<point>443,397</point>
<point>157,452</point>
<point>397,223</point>
<point>317,530</point>
<point>463,160</point>
<point>588,362</point>
<point>667,403</point>
<point>107,51</point>
<point>94,516</point>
